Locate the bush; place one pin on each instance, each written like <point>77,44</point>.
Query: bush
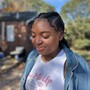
<point>81,44</point>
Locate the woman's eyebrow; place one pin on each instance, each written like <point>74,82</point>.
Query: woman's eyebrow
<point>45,32</point>
<point>32,31</point>
<point>41,32</point>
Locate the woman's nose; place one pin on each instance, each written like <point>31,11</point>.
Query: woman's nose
<point>38,40</point>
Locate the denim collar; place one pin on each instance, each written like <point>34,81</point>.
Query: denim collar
<point>72,62</point>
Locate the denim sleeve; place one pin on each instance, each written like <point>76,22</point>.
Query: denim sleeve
<point>82,74</point>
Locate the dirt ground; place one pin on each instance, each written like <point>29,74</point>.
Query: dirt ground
<point>10,74</point>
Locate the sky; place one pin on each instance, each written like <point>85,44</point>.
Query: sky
<point>56,3</point>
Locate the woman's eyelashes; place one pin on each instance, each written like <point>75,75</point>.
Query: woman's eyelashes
<point>33,36</point>
<point>45,36</point>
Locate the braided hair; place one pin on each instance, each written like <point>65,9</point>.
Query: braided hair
<point>56,22</point>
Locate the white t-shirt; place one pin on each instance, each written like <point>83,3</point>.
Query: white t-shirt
<point>47,75</point>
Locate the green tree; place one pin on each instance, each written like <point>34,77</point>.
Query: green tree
<point>73,9</point>
<point>78,33</point>
<point>77,18</point>
<point>28,5</point>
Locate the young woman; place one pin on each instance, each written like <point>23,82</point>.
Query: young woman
<point>52,65</point>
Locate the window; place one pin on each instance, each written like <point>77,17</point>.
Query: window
<point>10,33</point>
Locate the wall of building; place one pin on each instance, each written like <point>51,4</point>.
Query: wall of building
<point>17,34</point>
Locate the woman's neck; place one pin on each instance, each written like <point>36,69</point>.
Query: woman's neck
<point>50,56</point>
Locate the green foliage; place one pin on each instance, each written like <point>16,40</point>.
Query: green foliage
<point>78,33</point>
<point>77,18</point>
<point>39,6</point>
<point>81,43</point>
<point>74,8</point>
<point>31,5</point>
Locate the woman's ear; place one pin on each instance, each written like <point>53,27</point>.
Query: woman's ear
<point>61,35</point>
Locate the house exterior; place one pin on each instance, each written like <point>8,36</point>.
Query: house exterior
<point>15,32</point>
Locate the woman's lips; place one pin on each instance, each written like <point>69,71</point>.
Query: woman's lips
<point>39,49</point>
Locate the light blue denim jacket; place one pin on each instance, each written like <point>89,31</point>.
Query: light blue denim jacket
<point>77,71</point>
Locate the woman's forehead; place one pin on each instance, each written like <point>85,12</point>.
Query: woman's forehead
<point>41,23</point>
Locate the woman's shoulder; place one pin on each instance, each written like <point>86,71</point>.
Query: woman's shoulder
<point>82,62</point>
<point>80,58</point>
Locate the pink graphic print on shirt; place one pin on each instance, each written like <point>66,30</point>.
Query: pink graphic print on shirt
<point>38,82</point>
